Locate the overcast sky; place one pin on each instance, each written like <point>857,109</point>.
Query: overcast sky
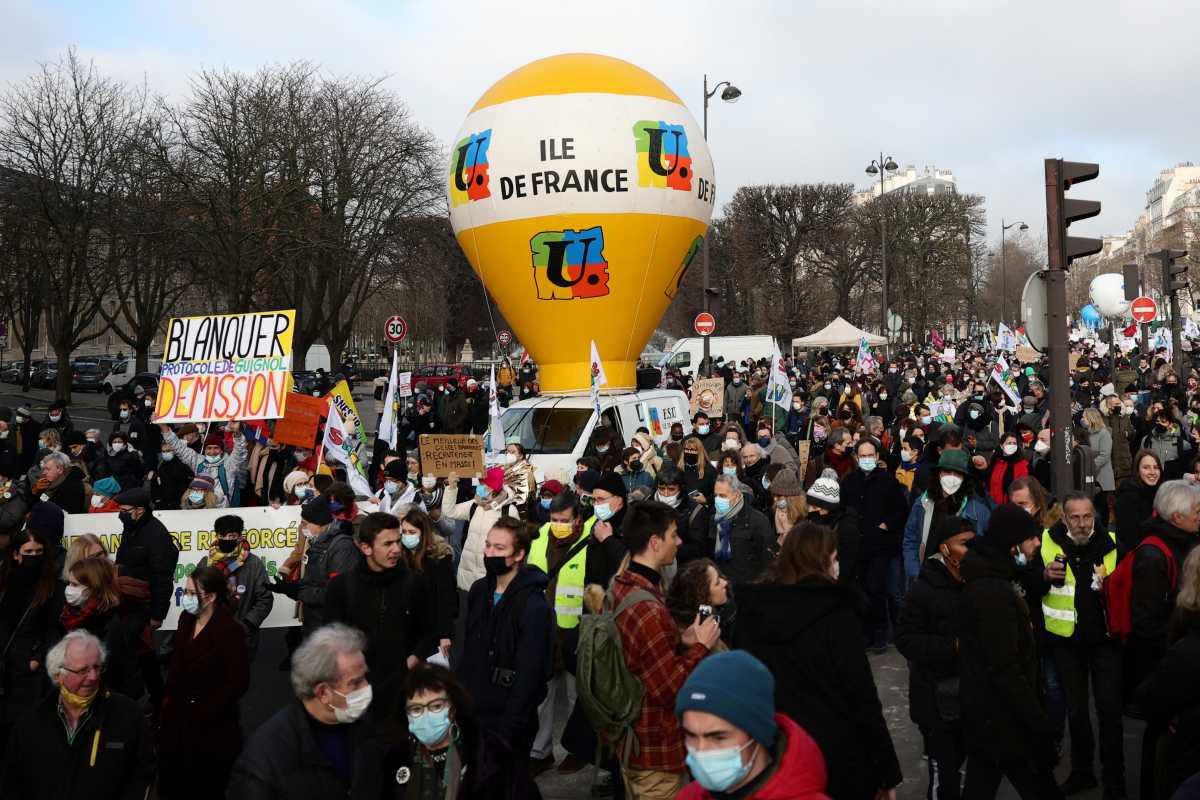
<point>986,89</point>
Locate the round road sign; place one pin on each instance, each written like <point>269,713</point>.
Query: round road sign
<point>1144,310</point>
<point>395,329</point>
<point>505,338</point>
<point>705,323</point>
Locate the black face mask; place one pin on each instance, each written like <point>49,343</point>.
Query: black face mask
<point>691,459</point>
<point>33,564</point>
<point>227,545</point>
<point>495,565</point>
<point>126,518</point>
<point>635,466</point>
<point>676,437</point>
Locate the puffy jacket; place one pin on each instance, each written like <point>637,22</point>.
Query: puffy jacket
<point>797,771</point>
<point>482,518</point>
<point>331,553</point>
<point>973,508</point>
<point>810,636</point>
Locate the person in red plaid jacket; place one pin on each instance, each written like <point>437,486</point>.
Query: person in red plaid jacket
<point>655,652</point>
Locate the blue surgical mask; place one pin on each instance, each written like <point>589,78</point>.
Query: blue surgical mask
<point>1020,558</point>
<point>702,430</point>
<point>603,511</point>
<point>196,497</point>
<point>168,456</point>
<point>974,414</point>
<point>867,464</point>
<point>482,491</point>
<point>430,728</point>
<point>718,770</point>
<point>764,441</point>
<point>213,459</point>
<point>391,487</point>
<point>190,604</point>
<point>410,540</point>
<point>730,471</point>
<point>545,503</point>
<point>722,504</point>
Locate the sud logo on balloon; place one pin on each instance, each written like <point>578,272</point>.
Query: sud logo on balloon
<point>606,189</point>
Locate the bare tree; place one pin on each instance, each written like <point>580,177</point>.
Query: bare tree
<point>22,290</point>
<point>67,128</point>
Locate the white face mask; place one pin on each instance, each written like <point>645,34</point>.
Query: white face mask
<point>428,482</point>
<point>118,447</point>
<point>731,444</point>
<point>1041,447</point>
<point>510,458</point>
<point>950,483</point>
<point>906,455</point>
<point>97,501</point>
<point>1009,449</point>
<point>672,500</point>
<point>356,704</point>
<point>75,595</point>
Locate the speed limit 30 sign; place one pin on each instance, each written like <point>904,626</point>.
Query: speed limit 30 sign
<point>395,329</point>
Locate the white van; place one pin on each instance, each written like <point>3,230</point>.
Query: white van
<point>122,372</point>
<point>688,353</point>
<point>556,430</point>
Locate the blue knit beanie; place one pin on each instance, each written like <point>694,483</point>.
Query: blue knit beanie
<point>736,687</point>
<point>107,487</point>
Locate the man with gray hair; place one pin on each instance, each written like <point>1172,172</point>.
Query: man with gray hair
<point>740,533</point>
<point>83,740</point>
<point>60,483</point>
<point>323,744</point>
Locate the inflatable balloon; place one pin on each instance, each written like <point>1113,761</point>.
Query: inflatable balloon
<point>580,189</point>
<point>1107,292</point>
<point>1090,317</point>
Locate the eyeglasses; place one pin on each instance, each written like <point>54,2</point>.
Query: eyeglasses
<point>83,671</point>
<point>436,706</point>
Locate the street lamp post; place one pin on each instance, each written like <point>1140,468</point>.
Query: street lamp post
<point>881,168</point>
<point>1004,268</point>
<point>730,94</point>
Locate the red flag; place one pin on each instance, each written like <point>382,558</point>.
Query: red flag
<point>936,338</point>
<point>1130,331</point>
<point>524,358</point>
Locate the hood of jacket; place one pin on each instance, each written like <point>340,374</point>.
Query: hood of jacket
<point>780,612</point>
<point>983,562</point>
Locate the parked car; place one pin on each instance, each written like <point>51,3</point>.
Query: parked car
<point>44,375</point>
<point>122,372</point>
<point>87,376</point>
<point>435,375</point>
<point>14,374</point>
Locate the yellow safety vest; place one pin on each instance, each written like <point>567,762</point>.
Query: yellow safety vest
<point>1058,605</point>
<point>568,592</point>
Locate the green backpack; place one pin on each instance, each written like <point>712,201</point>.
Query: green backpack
<point>611,695</point>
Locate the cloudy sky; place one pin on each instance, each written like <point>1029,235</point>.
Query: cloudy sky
<point>986,89</point>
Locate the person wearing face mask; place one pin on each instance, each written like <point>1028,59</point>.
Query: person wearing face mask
<point>1120,425</point>
<point>402,635</point>
<point>297,485</point>
<point>695,466</point>
<point>927,636</point>
<point>801,620</point>
<point>81,740</point>
<point>911,448</point>
<point>952,492</point>
<point>429,554</point>
<point>881,502</point>
<point>633,473</point>
<point>691,517</point>
<point>323,744</point>
<point>737,744</point>
<point>200,494</point>
<point>708,432</point>
<point>103,492</point>
<point>170,479</point>
<point>396,491</point>
<point>605,447</point>
<point>651,458</point>
<point>198,735</point>
<point>1008,464</point>
<point>329,551</point>
<point>121,462</point>
<point>571,556</point>
<point>228,470</point>
<point>1006,729</point>
<point>455,411</point>
<point>58,418</point>
<point>1168,441</point>
<point>742,537</point>
<point>735,393</point>
<point>10,449</point>
<point>795,424</point>
<point>776,450</point>
<point>508,650</point>
<point>245,573</point>
<point>492,500</point>
<point>29,610</point>
<point>61,483</point>
<point>25,429</point>
<point>549,489</point>
<point>266,468</point>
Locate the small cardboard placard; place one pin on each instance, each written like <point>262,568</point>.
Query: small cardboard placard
<point>443,453</point>
<point>708,395</point>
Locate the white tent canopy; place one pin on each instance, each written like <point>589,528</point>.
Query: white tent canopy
<point>838,333</point>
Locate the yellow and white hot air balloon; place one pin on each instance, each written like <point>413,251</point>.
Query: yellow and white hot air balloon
<point>580,189</point>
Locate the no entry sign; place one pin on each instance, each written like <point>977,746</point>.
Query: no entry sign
<point>395,329</point>
<point>1144,310</point>
<point>505,338</point>
<point>705,323</point>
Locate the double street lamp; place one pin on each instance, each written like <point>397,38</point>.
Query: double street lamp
<point>881,168</point>
<point>729,94</point>
<point>1004,268</point>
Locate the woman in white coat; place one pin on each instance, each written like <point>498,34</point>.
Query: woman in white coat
<point>492,500</point>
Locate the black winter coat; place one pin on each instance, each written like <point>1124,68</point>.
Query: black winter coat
<point>845,522</point>
<point>392,608</point>
<point>331,553</point>
<point>810,636</point>
<point>281,761</point>
<point>496,641</point>
<point>206,678</point>
<point>442,587</point>
<point>170,481</point>
<point>68,495</point>
<point>927,635</point>
<point>125,467</point>
<point>1152,598</point>
<point>1003,716</point>
<point>148,553</point>
<point>31,635</point>
<point>751,538</point>
<point>1171,695</point>
<point>1135,506</point>
<point>692,523</point>
<point>879,499</point>
<point>121,671</point>
<point>41,765</point>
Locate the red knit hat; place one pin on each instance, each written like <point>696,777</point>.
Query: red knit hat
<point>215,439</point>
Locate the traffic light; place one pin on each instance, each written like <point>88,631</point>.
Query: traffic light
<point>1133,278</point>
<point>1061,211</point>
<point>1170,282</point>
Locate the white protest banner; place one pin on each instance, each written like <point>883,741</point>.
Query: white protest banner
<point>389,420</point>
<point>404,387</point>
<point>779,391</point>
<point>495,425</point>
<point>271,533</point>
<point>1003,377</point>
<point>226,367</point>
<point>1005,338</point>
<point>948,355</point>
<point>342,446</point>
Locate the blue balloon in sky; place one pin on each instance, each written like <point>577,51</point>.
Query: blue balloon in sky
<point>1090,316</point>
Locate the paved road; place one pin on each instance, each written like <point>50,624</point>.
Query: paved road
<point>270,689</point>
